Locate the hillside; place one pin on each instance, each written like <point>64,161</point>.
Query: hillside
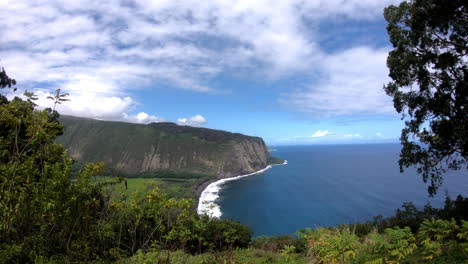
<point>139,150</point>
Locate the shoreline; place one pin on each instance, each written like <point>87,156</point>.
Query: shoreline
<point>208,197</point>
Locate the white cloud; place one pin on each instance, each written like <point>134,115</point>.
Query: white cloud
<point>325,136</point>
<point>107,49</point>
<point>143,118</point>
<point>350,83</point>
<point>86,104</point>
<point>196,120</point>
<point>379,134</point>
<point>320,133</point>
<point>95,106</point>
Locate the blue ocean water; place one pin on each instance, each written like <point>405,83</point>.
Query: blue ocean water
<point>328,185</point>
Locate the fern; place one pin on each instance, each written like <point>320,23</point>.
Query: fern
<point>463,233</point>
<point>438,230</point>
<point>391,247</point>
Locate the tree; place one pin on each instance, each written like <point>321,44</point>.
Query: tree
<point>42,212</point>
<point>6,81</point>
<point>428,68</point>
<point>58,98</point>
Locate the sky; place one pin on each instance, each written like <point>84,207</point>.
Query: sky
<point>289,71</point>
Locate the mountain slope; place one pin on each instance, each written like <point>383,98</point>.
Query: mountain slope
<point>136,149</point>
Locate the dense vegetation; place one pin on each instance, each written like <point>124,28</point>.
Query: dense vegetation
<point>199,132</point>
<point>275,160</point>
<point>440,240</point>
<point>430,235</point>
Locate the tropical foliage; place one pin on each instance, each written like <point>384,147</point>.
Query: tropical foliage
<point>437,241</point>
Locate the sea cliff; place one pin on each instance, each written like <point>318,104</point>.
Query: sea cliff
<point>138,149</point>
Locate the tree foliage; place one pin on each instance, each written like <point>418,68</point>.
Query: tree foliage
<point>428,68</point>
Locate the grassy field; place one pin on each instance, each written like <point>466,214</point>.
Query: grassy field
<point>173,187</point>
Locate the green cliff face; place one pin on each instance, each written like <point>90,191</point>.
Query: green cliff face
<point>136,149</point>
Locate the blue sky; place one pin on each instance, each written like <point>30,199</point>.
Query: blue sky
<point>290,71</point>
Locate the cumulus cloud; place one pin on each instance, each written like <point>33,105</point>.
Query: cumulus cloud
<point>320,133</point>
<point>103,50</point>
<point>89,105</point>
<point>197,120</point>
<point>142,118</point>
<point>93,106</point>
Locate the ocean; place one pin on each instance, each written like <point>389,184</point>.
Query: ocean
<point>326,185</point>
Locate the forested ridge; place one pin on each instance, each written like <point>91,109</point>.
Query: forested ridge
<point>131,150</point>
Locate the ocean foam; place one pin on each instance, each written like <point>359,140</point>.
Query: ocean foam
<point>209,196</point>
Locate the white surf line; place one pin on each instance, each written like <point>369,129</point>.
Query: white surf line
<point>210,194</point>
